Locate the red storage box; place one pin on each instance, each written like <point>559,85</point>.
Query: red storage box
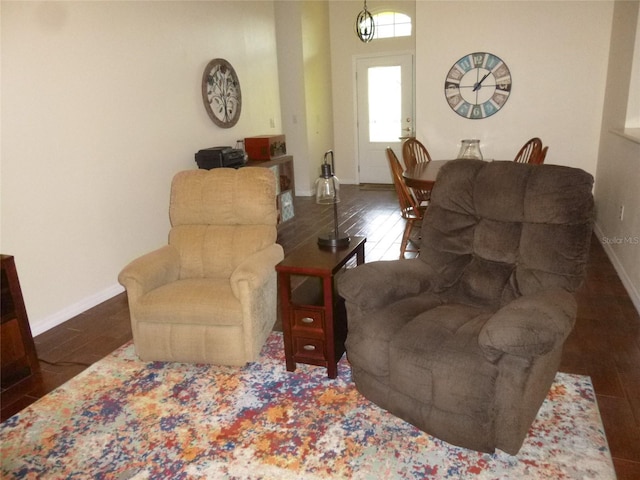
<point>265,147</point>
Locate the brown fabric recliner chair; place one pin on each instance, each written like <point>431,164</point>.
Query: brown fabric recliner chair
<point>465,340</point>
<point>209,296</point>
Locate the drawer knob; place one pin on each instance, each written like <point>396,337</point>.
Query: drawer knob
<point>309,348</point>
<point>307,320</point>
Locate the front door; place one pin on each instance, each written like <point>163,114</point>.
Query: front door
<point>385,107</point>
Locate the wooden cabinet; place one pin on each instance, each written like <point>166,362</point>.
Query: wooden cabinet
<point>314,320</point>
<point>283,169</point>
<point>18,355</point>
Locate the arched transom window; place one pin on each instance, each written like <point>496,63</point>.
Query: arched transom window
<point>392,24</point>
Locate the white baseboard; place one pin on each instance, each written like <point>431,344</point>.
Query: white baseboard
<point>626,281</point>
<point>76,309</point>
<point>305,193</point>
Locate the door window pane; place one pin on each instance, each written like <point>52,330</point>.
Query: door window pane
<point>385,103</point>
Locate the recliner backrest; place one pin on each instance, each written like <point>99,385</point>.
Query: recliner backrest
<point>498,230</point>
<point>221,216</point>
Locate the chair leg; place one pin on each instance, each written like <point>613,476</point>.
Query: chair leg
<point>405,236</point>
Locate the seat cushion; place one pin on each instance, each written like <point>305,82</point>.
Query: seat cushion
<point>435,360</point>
<point>204,301</point>
<point>441,346</point>
<point>368,342</point>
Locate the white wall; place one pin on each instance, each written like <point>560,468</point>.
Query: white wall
<point>633,102</point>
<point>101,106</point>
<point>318,87</point>
<point>557,53</point>
<point>345,46</point>
<point>292,92</point>
<point>304,61</point>
<point>618,172</point>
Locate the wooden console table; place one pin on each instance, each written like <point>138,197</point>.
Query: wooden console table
<point>314,319</point>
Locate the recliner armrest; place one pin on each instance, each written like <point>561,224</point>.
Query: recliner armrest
<point>150,271</point>
<point>529,326</point>
<point>256,268</point>
<point>372,285</point>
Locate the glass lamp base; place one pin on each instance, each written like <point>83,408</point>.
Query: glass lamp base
<point>333,240</point>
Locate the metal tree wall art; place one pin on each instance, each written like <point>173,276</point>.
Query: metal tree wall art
<point>221,93</point>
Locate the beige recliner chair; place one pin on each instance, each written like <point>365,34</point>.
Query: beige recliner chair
<point>209,296</point>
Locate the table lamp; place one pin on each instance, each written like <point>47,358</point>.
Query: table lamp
<point>328,193</point>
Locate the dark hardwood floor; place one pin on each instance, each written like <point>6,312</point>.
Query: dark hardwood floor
<point>605,343</point>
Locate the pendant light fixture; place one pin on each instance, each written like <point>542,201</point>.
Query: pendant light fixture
<point>365,26</point>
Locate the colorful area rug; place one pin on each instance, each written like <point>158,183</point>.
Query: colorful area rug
<point>127,419</point>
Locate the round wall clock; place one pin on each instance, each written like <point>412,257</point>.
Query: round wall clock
<point>221,93</point>
<point>478,85</point>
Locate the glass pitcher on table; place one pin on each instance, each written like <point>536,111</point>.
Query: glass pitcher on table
<point>470,148</point>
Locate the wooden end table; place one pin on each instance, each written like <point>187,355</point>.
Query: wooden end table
<point>314,320</point>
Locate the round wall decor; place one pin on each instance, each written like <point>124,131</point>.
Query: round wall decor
<point>221,93</point>
<point>478,85</point>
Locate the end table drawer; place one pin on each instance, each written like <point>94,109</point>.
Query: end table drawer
<point>308,319</point>
<point>309,348</point>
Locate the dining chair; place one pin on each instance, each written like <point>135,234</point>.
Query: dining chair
<point>542,156</point>
<point>410,209</point>
<point>530,152</point>
<point>414,152</point>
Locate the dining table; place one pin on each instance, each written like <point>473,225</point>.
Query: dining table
<point>422,176</point>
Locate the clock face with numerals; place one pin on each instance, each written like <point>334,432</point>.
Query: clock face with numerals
<point>478,85</point>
